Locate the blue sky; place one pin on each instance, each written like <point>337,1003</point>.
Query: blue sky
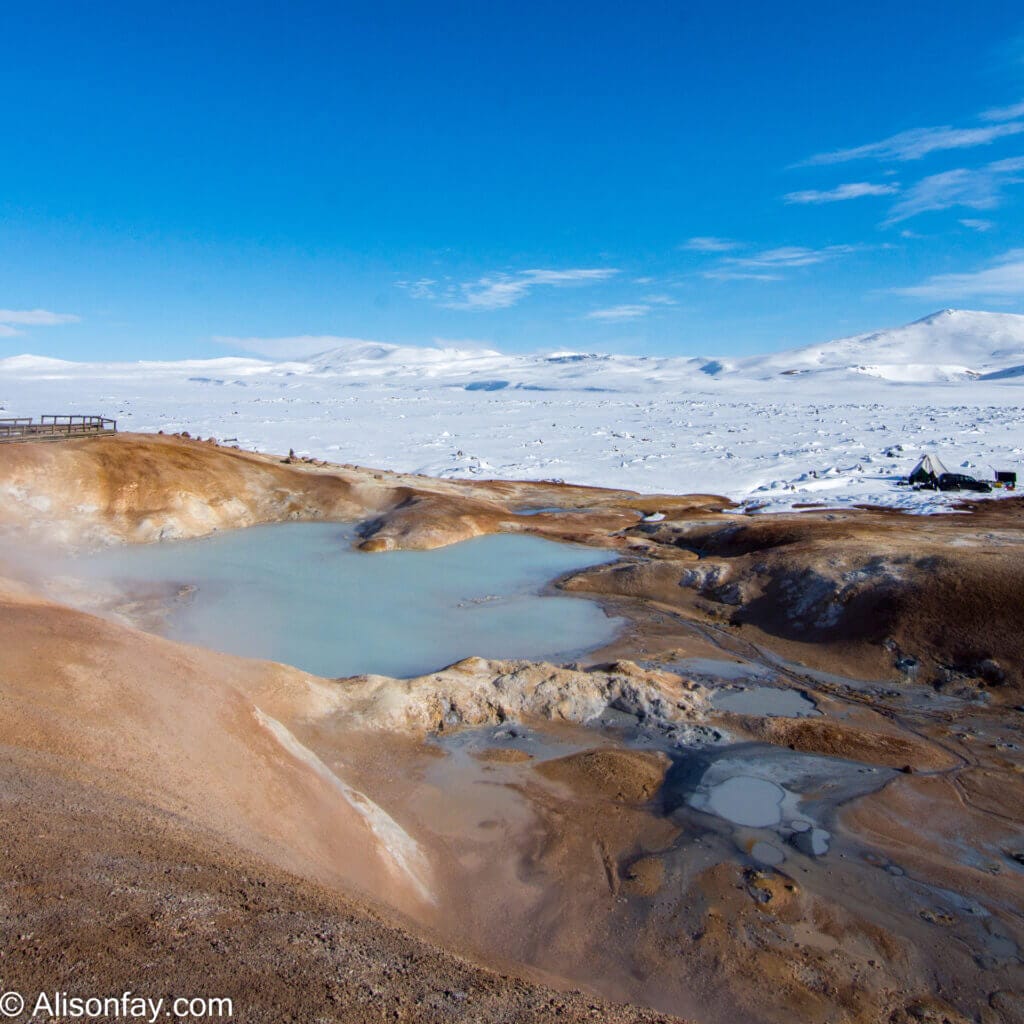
<point>715,178</point>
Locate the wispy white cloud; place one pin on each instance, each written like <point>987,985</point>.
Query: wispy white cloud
<point>36,317</point>
<point>624,312</point>
<point>423,288</point>
<point>979,188</point>
<point>295,346</point>
<point>559,277</point>
<point>708,243</point>
<point>771,264</point>
<point>13,319</point>
<point>1004,113</point>
<point>660,299</point>
<point>1002,279</point>
<point>489,293</point>
<point>791,256</point>
<point>499,291</point>
<point>852,190</point>
<point>919,142</point>
<point>976,224</point>
<point>723,274</point>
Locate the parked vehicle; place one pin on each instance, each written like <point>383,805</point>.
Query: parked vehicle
<point>962,482</point>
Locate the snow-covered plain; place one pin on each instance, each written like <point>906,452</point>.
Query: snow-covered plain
<point>837,423</point>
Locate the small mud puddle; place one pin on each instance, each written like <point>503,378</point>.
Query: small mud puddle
<point>488,743</point>
<point>764,701</point>
<point>744,800</point>
<point>766,799</point>
<point>767,853</point>
<point>714,670</point>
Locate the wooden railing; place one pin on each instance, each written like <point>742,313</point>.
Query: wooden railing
<point>54,428</point>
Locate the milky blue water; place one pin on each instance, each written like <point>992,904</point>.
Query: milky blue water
<point>298,593</point>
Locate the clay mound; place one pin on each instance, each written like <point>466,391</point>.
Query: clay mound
<point>134,488</point>
<point>644,876</point>
<point>626,776</point>
<point>424,522</point>
<point>199,735</point>
<point>476,691</point>
<point>821,736</point>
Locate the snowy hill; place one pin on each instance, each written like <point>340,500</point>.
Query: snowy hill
<point>33,364</point>
<point>953,344</point>
<point>368,355</point>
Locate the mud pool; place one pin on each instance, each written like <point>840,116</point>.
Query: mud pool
<point>299,593</point>
<point>768,799</point>
<point>748,799</point>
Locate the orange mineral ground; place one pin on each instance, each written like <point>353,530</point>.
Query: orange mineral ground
<point>514,840</point>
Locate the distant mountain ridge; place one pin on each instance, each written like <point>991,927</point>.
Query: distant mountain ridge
<point>946,347</point>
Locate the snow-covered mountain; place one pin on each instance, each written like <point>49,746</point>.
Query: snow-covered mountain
<point>948,346</point>
<point>953,344</point>
<point>372,360</point>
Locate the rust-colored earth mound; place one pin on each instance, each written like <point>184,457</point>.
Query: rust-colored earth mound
<point>631,776</point>
<point>503,755</point>
<point>144,487</point>
<point>893,748</point>
<point>871,593</point>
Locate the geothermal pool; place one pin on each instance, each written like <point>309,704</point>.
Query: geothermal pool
<point>298,593</point>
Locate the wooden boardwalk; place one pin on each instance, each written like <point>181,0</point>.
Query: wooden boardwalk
<point>54,428</point>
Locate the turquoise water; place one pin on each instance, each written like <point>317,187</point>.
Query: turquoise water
<point>298,593</point>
